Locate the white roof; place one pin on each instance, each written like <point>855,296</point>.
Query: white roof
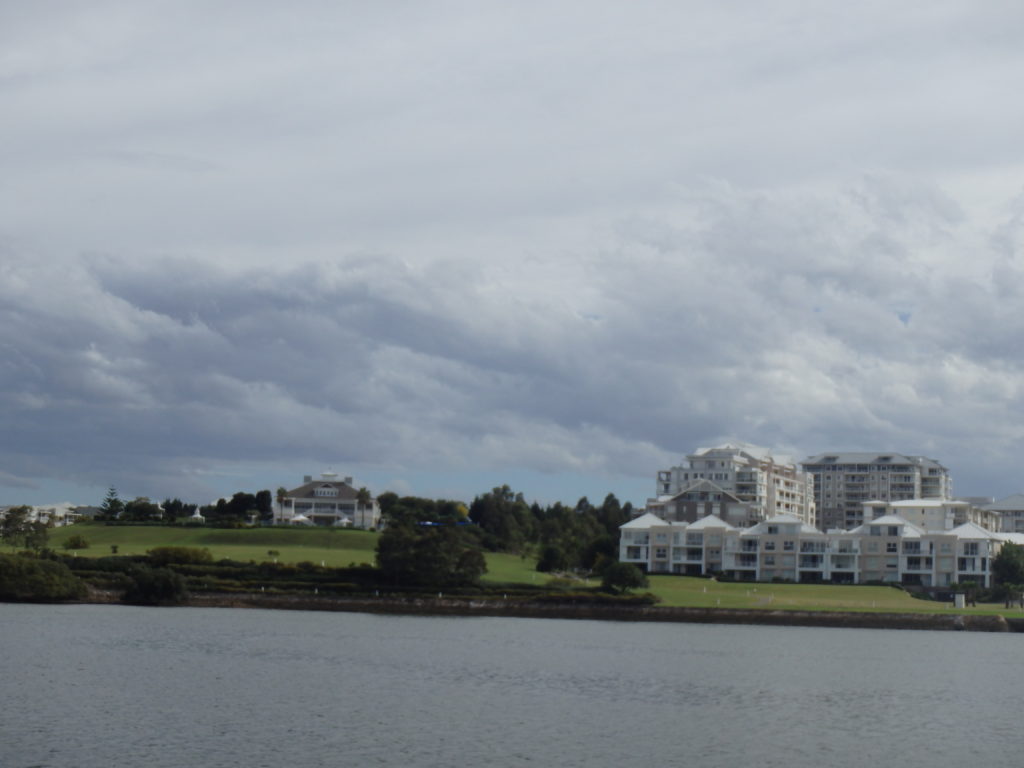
<point>909,529</point>
<point>710,521</point>
<point>926,503</point>
<point>645,520</point>
<point>1016,501</point>
<point>972,531</point>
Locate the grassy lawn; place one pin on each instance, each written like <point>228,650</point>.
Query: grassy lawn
<point>333,547</point>
<point>340,548</point>
<point>688,591</point>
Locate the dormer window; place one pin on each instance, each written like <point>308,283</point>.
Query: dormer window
<point>326,490</point>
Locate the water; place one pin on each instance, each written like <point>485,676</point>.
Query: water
<point>105,686</point>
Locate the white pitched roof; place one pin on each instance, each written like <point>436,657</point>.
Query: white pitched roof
<point>710,521</point>
<point>909,529</point>
<point>972,531</point>
<point>645,520</point>
<point>1016,501</point>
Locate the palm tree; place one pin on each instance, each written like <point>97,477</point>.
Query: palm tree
<point>282,497</point>
<point>363,499</point>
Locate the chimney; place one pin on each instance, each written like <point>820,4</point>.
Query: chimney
<point>307,479</point>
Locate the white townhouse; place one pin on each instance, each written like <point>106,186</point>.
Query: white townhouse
<point>752,484</point>
<point>886,549</point>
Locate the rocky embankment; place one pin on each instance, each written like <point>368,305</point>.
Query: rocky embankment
<point>460,607</point>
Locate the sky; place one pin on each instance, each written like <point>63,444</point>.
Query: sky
<point>445,246</point>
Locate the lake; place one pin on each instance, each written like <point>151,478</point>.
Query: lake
<point>95,685</point>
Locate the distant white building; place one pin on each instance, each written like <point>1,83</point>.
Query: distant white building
<point>54,515</point>
<point>738,482</point>
<point>1010,512</point>
<point>934,514</point>
<point>329,501</point>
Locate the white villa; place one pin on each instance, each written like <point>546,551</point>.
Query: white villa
<point>328,501</point>
<point>886,549</point>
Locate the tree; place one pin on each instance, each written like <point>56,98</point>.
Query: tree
<point>429,555</point>
<point>15,526</point>
<point>155,586</point>
<point>282,496</point>
<point>140,510</point>
<point>265,505</point>
<point>112,505</point>
<point>622,577</point>
<point>1008,565</point>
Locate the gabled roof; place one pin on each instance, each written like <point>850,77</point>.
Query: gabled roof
<point>1016,501</point>
<point>972,531</point>
<point>704,484</point>
<point>910,530</point>
<point>710,521</point>
<point>645,520</point>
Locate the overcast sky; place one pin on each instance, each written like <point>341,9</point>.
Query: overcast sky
<point>441,246</point>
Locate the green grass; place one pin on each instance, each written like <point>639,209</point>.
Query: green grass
<point>689,591</point>
<point>339,548</point>
<point>333,547</point>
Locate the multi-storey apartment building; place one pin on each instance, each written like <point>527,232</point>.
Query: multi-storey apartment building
<point>748,476</point>
<point>887,549</point>
<point>844,481</point>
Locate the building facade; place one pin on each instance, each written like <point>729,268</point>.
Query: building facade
<point>1010,512</point>
<point>844,481</point>
<point>887,549</point>
<point>751,476</point>
<point>328,501</point>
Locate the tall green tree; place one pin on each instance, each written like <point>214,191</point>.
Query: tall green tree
<point>112,505</point>
<point>15,526</point>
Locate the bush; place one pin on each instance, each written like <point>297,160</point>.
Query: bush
<point>622,577</point>
<point>78,541</point>
<point>155,586</point>
<point>161,556</point>
<point>27,579</point>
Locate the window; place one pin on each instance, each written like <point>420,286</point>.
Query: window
<point>890,546</point>
<point>769,546</point>
<point>971,548</point>
<point>787,546</point>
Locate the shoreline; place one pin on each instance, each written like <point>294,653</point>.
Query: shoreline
<point>429,606</point>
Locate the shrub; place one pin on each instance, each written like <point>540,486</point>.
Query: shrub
<point>27,579</point>
<point>155,586</point>
<point>161,556</point>
<point>78,541</point>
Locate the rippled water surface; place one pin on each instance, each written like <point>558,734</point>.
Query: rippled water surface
<point>118,686</point>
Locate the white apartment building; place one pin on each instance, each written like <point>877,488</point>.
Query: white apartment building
<point>887,549</point>
<point>752,484</point>
<point>844,481</point>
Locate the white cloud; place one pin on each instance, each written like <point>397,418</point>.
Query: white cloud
<point>577,240</point>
